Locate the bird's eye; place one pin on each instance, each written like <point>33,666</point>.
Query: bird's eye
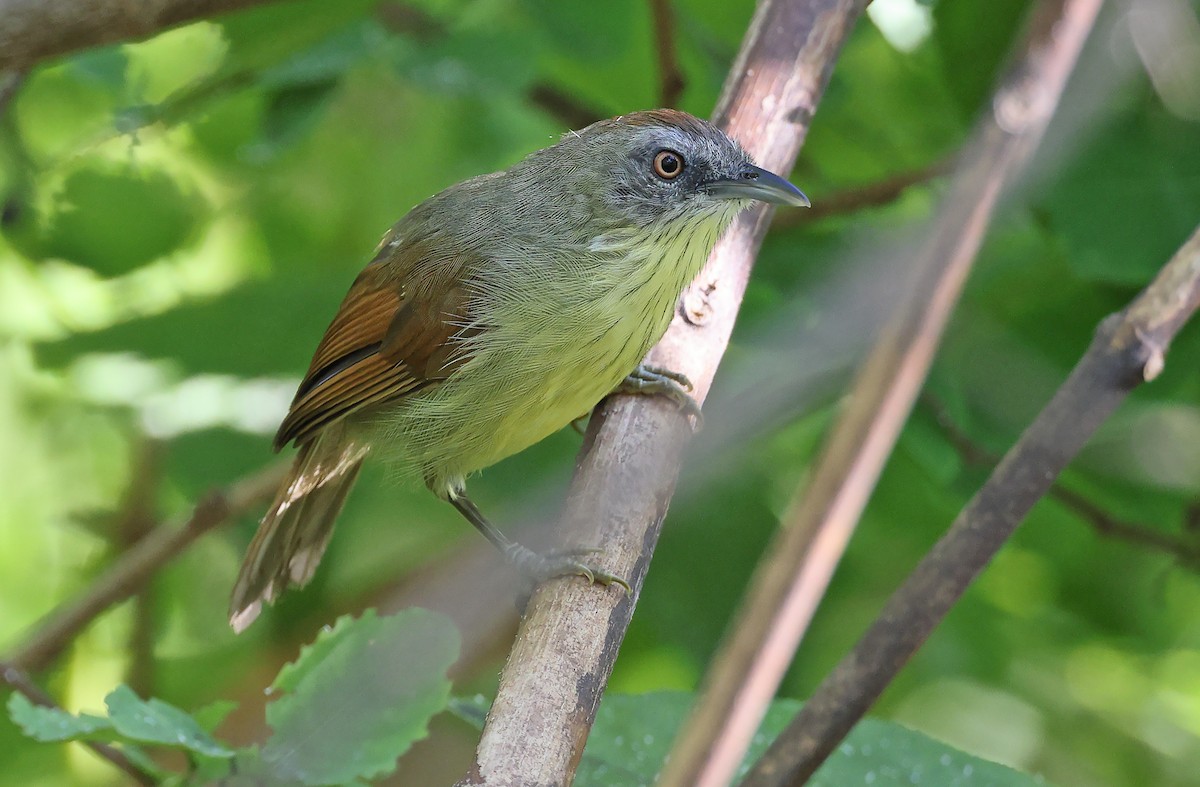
<point>668,164</point>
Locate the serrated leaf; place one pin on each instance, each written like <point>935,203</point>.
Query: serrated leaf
<point>155,721</point>
<point>54,724</point>
<point>359,696</point>
<point>633,733</point>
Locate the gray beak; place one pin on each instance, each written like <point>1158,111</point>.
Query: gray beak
<point>758,184</point>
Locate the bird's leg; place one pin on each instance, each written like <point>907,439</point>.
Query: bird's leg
<point>650,380</point>
<point>532,564</point>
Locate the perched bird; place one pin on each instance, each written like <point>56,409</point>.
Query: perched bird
<point>495,313</point>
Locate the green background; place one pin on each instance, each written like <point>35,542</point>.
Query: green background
<point>181,217</point>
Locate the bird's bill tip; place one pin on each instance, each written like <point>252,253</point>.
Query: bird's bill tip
<point>762,185</point>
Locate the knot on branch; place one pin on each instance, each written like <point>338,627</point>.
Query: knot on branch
<point>1139,353</point>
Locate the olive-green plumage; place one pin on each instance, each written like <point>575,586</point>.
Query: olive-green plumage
<point>496,312</point>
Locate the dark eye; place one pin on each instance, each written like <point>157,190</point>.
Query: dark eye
<point>668,164</point>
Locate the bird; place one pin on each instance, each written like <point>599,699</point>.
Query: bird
<point>493,314</point>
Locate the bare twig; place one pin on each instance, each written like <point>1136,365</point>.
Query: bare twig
<point>130,573</point>
<point>568,640</point>
<point>1128,349</point>
<point>790,582</point>
<point>670,76</point>
<point>871,195</point>
<point>20,681</point>
<point>1101,521</point>
<point>34,30</point>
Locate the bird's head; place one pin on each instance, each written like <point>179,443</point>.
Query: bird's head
<point>664,166</point>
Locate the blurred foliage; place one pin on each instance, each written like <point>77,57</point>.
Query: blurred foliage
<point>179,218</point>
<point>633,734</point>
<point>324,730</point>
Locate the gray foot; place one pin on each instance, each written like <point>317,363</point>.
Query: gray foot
<point>647,380</point>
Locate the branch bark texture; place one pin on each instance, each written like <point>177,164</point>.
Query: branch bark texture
<point>568,640</point>
<point>793,577</point>
<point>34,30</point>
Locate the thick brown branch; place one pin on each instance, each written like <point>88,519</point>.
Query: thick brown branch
<point>34,30</point>
<point>670,77</point>
<point>796,570</point>
<point>569,638</point>
<point>20,681</point>
<point>1127,350</point>
<point>130,573</point>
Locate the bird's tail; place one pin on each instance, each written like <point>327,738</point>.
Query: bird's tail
<point>295,530</point>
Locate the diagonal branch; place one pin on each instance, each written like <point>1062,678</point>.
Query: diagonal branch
<point>568,641</point>
<point>1128,349</point>
<point>793,576</point>
<point>129,574</point>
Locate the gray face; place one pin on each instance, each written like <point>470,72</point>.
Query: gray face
<point>664,171</point>
<point>667,166</point>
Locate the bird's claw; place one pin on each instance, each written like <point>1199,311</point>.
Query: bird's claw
<point>647,380</point>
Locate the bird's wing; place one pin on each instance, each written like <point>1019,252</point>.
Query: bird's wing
<point>392,336</point>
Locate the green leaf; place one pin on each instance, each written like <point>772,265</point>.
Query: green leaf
<point>633,733</point>
<point>211,715</point>
<point>154,721</point>
<point>291,112</point>
<point>54,724</point>
<point>359,696</point>
<point>114,217</point>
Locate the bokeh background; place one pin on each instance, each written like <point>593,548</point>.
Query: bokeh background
<point>181,217</point>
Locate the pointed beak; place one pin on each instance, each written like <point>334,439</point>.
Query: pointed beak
<point>758,184</point>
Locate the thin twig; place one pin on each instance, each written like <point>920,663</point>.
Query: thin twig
<point>796,570</point>
<point>670,77</point>
<point>20,681</point>
<point>568,640</point>
<point>1128,349</point>
<point>134,568</point>
<point>872,195</point>
<point>1101,521</point>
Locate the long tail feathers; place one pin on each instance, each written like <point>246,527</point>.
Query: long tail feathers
<point>295,530</point>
